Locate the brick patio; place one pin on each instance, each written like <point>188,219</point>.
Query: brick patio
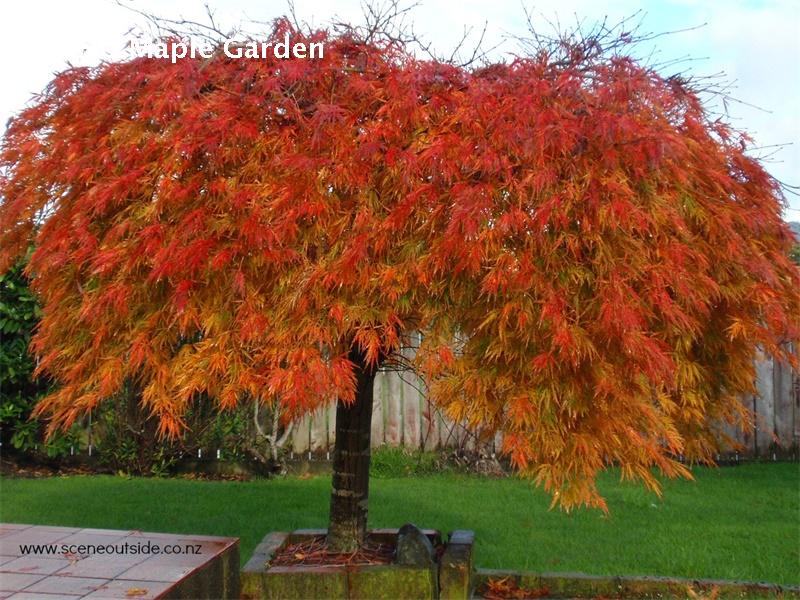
<point>212,572</point>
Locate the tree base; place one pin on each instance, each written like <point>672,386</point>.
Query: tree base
<point>448,578</point>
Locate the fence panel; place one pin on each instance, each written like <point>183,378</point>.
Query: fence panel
<point>402,416</point>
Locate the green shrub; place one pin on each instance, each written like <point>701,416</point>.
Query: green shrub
<point>124,436</point>
<point>399,462</point>
<point>19,390</point>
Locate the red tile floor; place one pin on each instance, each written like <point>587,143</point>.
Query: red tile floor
<point>69,569</point>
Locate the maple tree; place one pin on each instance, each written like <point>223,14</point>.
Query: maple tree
<point>591,261</point>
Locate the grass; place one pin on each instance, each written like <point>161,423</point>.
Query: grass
<point>731,523</point>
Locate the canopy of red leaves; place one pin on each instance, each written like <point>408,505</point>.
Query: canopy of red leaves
<point>592,262</point>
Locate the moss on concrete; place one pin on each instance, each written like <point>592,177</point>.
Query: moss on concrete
<point>389,582</point>
<point>455,567</point>
<point>379,582</point>
<point>282,583</point>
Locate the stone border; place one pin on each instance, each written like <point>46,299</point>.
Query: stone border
<point>456,566</point>
<point>580,585</point>
<point>456,579</point>
<point>451,579</point>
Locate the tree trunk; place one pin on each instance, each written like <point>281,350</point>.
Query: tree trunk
<point>351,453</point>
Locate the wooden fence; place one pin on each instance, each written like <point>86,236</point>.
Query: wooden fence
<point>402,416</point>
<point>776,427</point>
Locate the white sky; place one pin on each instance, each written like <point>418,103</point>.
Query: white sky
<point>756,43</point>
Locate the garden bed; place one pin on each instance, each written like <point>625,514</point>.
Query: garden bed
<point>277,572</point>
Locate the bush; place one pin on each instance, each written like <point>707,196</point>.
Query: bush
<point>124,436</point>
<point>19,390</point>
<point>400,462</point>
<point>128,441</point>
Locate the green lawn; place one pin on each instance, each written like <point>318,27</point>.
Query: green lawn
<point>732,523</point>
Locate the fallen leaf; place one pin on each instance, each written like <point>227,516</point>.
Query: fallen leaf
<point>131,592</point>
<point>508,589</point>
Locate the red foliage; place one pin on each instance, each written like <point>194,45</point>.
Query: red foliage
<point>592,261</point>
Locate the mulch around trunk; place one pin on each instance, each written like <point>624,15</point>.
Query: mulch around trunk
<point>314,552</point>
